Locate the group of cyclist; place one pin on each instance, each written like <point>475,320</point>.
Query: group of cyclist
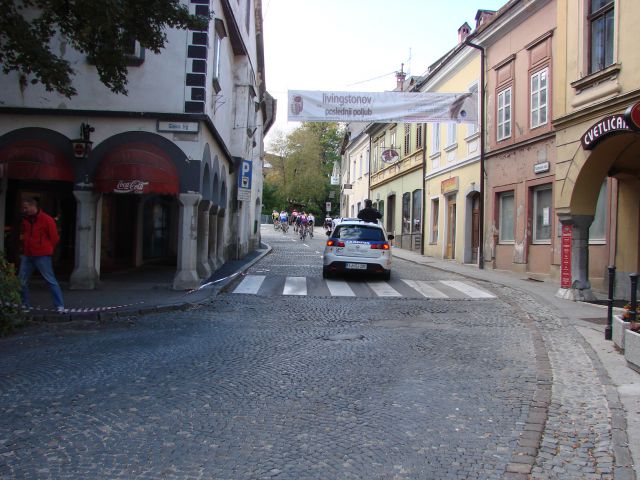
<point>302,222</point>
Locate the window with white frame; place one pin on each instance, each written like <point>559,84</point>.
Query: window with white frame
<point>219,33</point>
<point>452,130</point>
<point>504,114</point>
<point>539,98</point>
<point>597,230</point>
<point>506,218</point>
<point>393,143</point>
<point>360,166</point>
<point>601,24</point>
<point>542,206</point>
<point>435,138</point>
<point>366,162</point>
<point>472,128</point>
<point>435,213</point>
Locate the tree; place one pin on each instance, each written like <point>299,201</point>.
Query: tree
<point>101,29</point>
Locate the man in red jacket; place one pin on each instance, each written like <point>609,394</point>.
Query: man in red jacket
<point>39,237</point>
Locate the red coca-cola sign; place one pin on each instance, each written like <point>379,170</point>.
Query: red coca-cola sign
<point>130,186</point>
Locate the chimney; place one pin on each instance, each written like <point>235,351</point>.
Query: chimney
<point>463,32</point>
<point>483,16</point>
<point>400,76</point>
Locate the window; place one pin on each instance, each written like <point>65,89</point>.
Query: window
<point>353,175</point>
<point>452,130</point>
<point>406,212</point>
<point>407,138</point>
<point>366,162</point>
<point>219,34</point>
<point>360,166</point>
<point>393,143</point>
<point>359,232</point>
<point>435,138</point>
<point>597,230</point>
<point>416,209</point>
<point>381,207</point>
<point>358,207</point>
<point>353,207</point>
<point>506,224</point>
<point>539,98</point>
<point>435,162</point>
<point>601,23</point>
<point>472,128</point>
<point>504,114</point>
<point>418,136</point>
<point>435,211</point>
<point>542,201</point>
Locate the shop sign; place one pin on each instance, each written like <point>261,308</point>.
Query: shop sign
<point>390,155</point>
<point>449,185</point>
<point>541,167</point>
<point>632,116</point>
<point>130,186</point>
<point>565,257</point>
<point>347,186</point>
<point>600,130</point>
<point>178,127</point>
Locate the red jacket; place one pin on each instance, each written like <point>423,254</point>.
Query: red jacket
<point>39,235</point>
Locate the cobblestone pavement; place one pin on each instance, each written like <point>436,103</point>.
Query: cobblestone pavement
<point>251,387</point>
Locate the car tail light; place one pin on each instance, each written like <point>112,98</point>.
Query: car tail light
<point>330,243</point>
<point>333,243</point>
<point>380,246</point>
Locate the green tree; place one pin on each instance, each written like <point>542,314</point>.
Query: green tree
<point>101,29</point>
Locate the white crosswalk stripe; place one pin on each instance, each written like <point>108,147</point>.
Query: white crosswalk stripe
<point>339,288</point>
<point>425,289</point>
<point>295,286</point>
<point>257,285</point>
<point>383,289</point>
<point>250,284</point>
<point>467,289</point>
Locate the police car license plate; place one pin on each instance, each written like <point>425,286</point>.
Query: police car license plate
<point>356,266</point>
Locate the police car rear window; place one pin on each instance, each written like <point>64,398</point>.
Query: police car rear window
<point>358,232</point>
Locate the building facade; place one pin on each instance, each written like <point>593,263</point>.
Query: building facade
<point>355,165</point>
<point>170,173</point>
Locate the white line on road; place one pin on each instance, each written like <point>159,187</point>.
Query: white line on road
<point>340,288</point>
<point>295,286</point>
<point>251,284</point>
<point>383,289</point>
<point>468,290</point>
<point>424,289</point>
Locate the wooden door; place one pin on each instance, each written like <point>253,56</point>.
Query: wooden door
<point>451,230</point>
<point>475,228</point>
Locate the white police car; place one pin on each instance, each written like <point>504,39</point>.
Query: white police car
<point>357,246</point>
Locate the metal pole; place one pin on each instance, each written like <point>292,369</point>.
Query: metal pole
<point>609,328</point>
<point>634,296</point>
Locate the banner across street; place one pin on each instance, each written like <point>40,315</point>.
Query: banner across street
<point>405,107</point>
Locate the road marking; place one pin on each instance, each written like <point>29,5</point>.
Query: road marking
<point>295,286</point>
<point>468,290</point>
<point>339,288</point>
<point>250,284</point>
<point>383,289</point>
<point>425,289</point>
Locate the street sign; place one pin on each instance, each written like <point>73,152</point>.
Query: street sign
<point>244,179</point>
<point>328,206</point>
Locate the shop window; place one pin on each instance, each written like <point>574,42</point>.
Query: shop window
<point>416,210</point>
<point>597,230</point>
<point>406,212</point>
<point>601,24</point>
<point>506,218</point>
<point>542,202</point>
<point>435,213</point>
<point>504,114</point>
<point>539,98</point>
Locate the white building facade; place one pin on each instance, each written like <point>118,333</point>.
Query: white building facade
<point>173,174</point>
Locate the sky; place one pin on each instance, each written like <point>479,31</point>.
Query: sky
<point>356,45</point>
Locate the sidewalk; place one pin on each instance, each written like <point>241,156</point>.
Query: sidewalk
<point>142,291</point>
<point>588,319</point>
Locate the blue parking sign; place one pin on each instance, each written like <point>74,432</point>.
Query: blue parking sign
<point>244,179</point>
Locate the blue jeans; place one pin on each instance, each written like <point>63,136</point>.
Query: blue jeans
<point>44,266</point>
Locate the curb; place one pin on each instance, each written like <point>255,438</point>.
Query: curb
<point>104,314</point>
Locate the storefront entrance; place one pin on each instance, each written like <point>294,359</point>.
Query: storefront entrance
<point>451,229</point>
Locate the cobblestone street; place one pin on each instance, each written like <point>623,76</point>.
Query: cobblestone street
<point>252,387</point>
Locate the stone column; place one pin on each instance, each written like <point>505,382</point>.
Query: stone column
<point>213,238</point>
<point>580,286</point>
<point>220,240</point>
<point>203,268</point>
<point>84,275</point>
<point>186,276</point>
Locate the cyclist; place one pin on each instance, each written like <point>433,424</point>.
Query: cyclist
<point>328,222</point>
<point>311,220</point>
<point>284,221</point>
<point>275,216</point>
<point>302,224</point>
<point>294,218</point>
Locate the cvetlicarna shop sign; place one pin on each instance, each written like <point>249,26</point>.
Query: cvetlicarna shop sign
<point>617,123</point>
<point>406,107</point>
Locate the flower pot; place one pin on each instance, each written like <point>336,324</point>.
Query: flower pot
<point>632,349</point>
<point>617,332</point>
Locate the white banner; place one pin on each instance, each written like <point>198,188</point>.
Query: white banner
<point>404,107</point>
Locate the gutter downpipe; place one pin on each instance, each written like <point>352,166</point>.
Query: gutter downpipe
<point>482,146</point>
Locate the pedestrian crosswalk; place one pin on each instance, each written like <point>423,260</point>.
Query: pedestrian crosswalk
<point>273,285</point>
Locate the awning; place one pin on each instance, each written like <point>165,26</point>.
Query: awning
<point>35,160</point>
<point>137,167</point>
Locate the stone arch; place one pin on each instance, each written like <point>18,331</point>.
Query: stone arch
<point>205,175</point>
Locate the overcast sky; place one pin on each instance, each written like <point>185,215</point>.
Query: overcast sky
<point>356,45</point>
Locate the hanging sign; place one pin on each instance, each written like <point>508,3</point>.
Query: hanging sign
<point>390,155</point>
<point>565,257</point>
<point>406,107</point>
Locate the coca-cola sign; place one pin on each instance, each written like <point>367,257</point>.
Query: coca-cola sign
<point>130,186</point>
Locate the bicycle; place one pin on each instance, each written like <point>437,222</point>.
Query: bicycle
<point>303,232</point>
<point>276,224</point>
<point>284,227</point>
<point>310,228</point>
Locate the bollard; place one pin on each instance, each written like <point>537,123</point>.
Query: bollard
<point>608,331</point>
<point>634,296</point>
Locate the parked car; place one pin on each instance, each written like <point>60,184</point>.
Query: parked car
<point>357,246</point>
